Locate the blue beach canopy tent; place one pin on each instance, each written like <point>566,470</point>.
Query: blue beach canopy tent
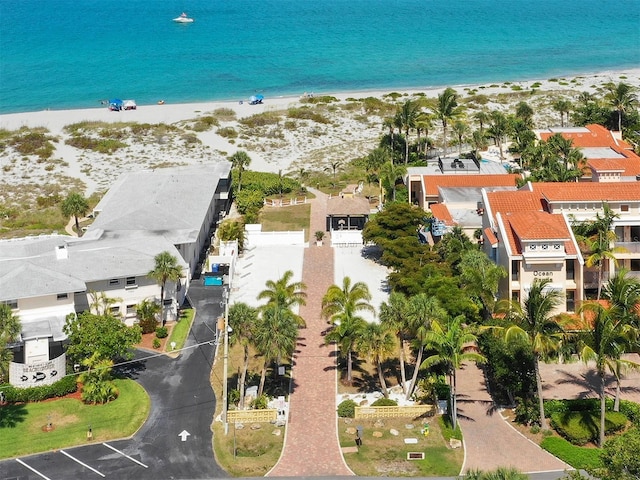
<point>115,104</point>
<point>256,99</point>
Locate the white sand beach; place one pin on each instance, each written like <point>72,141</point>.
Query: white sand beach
<point>286,148</point>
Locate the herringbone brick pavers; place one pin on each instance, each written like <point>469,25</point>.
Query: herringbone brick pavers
<point>311,444</point>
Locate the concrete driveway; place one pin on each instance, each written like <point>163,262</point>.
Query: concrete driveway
<point>181,400</point>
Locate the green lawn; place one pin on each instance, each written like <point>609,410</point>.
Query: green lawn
<point>282,219</point>
<point>22,426</point>
<point>180,330</point>
<point>577,457</point>
<point>387,455</point>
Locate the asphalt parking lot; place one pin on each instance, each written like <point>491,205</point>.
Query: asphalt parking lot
<point>181,401</point>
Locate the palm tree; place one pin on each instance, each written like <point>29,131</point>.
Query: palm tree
<point>621,97</point>
<point>451,343</point>
<point>75,205</point>
<point>406,119</point>
<point>601,252</point>
<point>604,339</point>
<point>341,306</point>
<point>97,384</point>
<point>333,167</point>
<point>393,316</point>
<point>422,310</point>
<point>230,230</point>
<point>275,337</point>
<point>481,278</point>
<point>460,129</point>
<point>390,173</point>
<point>374,163</point>
<point>623,293</point>
<point>482,117</point>
<point>524,112</point>
<point>446,109</point>
<point>166,269</point>
<point>243,320</point>
<point>10,328</point>
<point>100,304</point>
<point>390,124</point>
<point>562,106</point>
<point>498,129</point>
<point>377,344</point>
<point>147,312</point>
<point>423,124</point>
<point>285,294</point>
<point>240,160</point>
<point>534,324</point>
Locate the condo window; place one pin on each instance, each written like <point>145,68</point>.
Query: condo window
<point>115,310</point>
<point>571,270</point>
<point>63,296</point>
<point>624,208</point>
<point>12,303</point>
<point>114,281</point>
<point>131,281</point>
<point>168,302</point>
<point>571,301</point>
<point>131,309</point>
<point>515,270</point>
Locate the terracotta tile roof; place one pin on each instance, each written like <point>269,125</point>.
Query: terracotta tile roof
<point>628,167</point>
<point>519,201</point>
<point>588,192</point>
<point>432,182</point>
<point>597,136</point>
<point>537,225</point>
<point>490,236</point>
<point>441,212</point>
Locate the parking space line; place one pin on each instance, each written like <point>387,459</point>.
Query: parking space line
<point>82,463</point>
<point>32,469</point>
<point>125,455</point>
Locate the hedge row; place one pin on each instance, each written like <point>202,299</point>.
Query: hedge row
<point>578,457</point>
<point>581,427</point>
<point>62,387</point>
<point>630,409</point>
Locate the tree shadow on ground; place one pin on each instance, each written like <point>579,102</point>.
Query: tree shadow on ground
<point>12,414</point>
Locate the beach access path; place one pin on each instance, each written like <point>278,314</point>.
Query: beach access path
<point>311,445</point>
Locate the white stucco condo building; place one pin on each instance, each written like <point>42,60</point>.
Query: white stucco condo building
<point>48,277</point>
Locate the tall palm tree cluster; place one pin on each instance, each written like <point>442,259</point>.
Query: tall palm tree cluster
<point>554,160</point>
<point>601,336</point>
<point>269,331</point>
<point>417,327</point>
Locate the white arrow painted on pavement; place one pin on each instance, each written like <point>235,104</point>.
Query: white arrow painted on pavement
<point>184,434</point>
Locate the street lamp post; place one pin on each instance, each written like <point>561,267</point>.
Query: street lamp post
<point>225,358</point>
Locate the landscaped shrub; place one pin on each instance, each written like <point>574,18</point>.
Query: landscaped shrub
<point>148,325</point>
<point>447,430</point>
<point>384,402</point>
<point>577,457</point>
<point>156,343</point>
<point>261,403</point>
<point>581,427</point>
<point>347,408</point>
<point>162,332</point>
<point>62,387</point>
<point>630,409</point>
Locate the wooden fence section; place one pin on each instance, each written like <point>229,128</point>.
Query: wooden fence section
<point>285,202</point>
<point>252,416</point>
<point>410,411</point>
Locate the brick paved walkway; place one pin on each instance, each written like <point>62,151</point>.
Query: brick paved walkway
<point>311,445</point>
<point>490,441</point>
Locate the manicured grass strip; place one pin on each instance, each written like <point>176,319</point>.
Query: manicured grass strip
<point>282,219</point>
<point>578,457</point>
<point>21,426</point>
<point>180,330</point>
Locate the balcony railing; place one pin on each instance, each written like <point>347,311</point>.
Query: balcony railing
<point>630,247</point>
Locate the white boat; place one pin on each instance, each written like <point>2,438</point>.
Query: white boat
<point>183,18</point>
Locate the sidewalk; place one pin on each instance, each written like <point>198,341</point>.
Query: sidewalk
<point>311,444</point>
<point>489,440</point>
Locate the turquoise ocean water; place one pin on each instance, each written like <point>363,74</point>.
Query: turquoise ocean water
<point>72,53</point>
